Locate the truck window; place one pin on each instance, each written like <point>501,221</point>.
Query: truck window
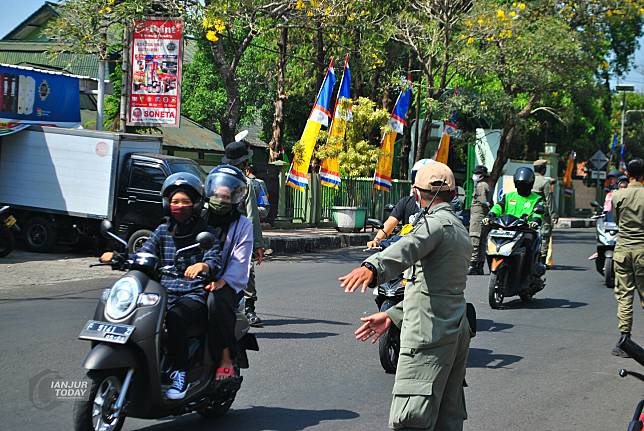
<point>191,168</point>
<point>147,177</point>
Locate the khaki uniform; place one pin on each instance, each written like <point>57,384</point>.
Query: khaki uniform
<point>250,210</point>
<point>481,199</point>
<point>628,258</point>
<point>542,187</point>
<point>434,340</point>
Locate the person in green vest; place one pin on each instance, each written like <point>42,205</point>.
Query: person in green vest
<point>520,203</point>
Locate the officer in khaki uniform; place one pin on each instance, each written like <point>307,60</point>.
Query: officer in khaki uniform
<point>481,200</point>
<point>542,187</point>
<point>628,259</point>
<point>434,340</point>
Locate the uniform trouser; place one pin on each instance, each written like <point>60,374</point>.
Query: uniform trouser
<point>250,293</point>
<point>478,236</point>
<point>428,391</point>
<point>546,233</point>
<point>221,326</point>
<point>183,315</point>
<point>629,277</point>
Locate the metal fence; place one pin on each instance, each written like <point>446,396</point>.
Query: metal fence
<point>352,192</point>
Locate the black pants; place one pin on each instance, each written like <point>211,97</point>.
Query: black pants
<point>183,315</point>
<point>222,322</point>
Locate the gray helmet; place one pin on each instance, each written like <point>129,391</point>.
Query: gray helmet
<point>613,173</point>
<point>481,170</point>
<point>185,182</point>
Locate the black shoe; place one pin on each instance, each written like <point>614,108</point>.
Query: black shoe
<point>475,270</point>
<point>254,319</point>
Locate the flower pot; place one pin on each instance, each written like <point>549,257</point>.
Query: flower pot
<point>349,219</point>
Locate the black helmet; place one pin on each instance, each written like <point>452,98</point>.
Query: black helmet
<point>481,170</point>
<point>226,177</point>
<point>613,173</point>
<point>622,178</point>
<point>524,180</point>
<point>185,182</point>
<point>635,168</point>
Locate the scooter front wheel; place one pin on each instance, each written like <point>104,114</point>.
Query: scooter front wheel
<point>97,413</point>
<point>495,294</point>
<point>389,343</point>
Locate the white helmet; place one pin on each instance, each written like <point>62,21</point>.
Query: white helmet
<point>419,164</point>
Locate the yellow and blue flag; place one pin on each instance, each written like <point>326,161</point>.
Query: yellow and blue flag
<point>298,174</point>
<point>330,168</point>
<point>397,121</point>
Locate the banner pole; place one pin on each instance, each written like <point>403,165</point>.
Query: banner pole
<point>125,79</point>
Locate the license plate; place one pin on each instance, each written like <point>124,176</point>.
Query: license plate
<point>502,234</point>
<point>10,221</point>
<point>103,331</point>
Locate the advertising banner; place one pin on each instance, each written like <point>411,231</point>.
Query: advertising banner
<point>31,96</point>
<point>155,73</point>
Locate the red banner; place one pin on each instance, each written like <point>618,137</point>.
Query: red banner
<point>155,73</point>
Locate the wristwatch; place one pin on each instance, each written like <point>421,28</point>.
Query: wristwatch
<point>373,270</point>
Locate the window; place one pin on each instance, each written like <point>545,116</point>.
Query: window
<point>147,177</point>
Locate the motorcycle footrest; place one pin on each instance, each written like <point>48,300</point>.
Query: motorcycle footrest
<point>227,388</point>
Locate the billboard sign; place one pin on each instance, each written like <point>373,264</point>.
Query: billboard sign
<point>155,73</point>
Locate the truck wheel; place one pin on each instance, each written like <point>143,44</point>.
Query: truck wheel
<point>137,239</point>
<point>39,234</point>
<point>609,275</point>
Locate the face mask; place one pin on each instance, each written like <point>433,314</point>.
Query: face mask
<point>181,213</point>
<point>476,178</point>
<point>219,207</point>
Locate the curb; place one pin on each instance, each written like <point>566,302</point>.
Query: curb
<point>293,244</point>
<point>575,223</point>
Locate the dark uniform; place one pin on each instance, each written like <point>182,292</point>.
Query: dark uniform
<point>481,199</point>
<point>434,340</point>
<point>542,188</point>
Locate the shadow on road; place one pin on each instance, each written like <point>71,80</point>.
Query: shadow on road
<point>568,268</point>
<point>259,419</point>
<point>295,320</point>
<point>543,303</point>
<point>486,358</point>
<point>294,335</point>
<point>491,326</point>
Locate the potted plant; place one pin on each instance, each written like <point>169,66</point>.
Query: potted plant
<point>357,152</point>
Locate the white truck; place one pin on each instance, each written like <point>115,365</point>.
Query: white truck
<point>61,183</point>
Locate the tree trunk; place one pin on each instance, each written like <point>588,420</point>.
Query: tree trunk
<point>424,136</point>
<point>320,58</point>
<point>278,116</point>
<point>228,122</point>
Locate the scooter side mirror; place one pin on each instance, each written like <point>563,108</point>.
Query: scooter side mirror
<point>206,240</point>
<point>595,204</point>
<point>107,230</point>
<point>372,222</point>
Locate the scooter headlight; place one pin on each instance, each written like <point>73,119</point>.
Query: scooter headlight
<point>122,298</point>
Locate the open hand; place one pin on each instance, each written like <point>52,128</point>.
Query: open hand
<point>359,277</point>
<point>215,285</point>
<point>373,244</point>
<point>373,326</point>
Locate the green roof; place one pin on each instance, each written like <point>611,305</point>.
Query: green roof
<point>35,54</point>
<point>193,136</point>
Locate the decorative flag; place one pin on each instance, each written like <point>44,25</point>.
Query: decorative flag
<point>442,152</point>
<point>397,121</point>
<point>330,168</point>
<point>622,162</point>
<point>297,176</point>
<point>612,148</point>
<point>567,178</point>
<point>451,126</point>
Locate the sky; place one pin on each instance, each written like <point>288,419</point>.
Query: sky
<point>21,9</point>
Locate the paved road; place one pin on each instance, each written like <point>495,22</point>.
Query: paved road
<point>544,366</point>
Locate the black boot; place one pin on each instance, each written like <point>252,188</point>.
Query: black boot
<point>252,317</point>
<point>617,351</point>
<point>476,268</point>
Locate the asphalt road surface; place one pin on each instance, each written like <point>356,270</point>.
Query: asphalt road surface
<point>541,366</point>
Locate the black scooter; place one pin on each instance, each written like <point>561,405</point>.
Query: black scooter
<point>127,363</point>
<point>8,229</point>
<point>512,272</point>
<point>636,352</point>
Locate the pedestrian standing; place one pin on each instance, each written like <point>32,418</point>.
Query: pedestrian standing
<point>542,188</point>
<point>237,155</point>
<point>481,203</point>
<point>628,258</point>
<point>434,339</point>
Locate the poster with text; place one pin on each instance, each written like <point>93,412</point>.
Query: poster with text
<point>155,73</point>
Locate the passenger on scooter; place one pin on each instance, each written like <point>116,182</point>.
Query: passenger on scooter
<point>225,189</point>
<point>182,195</point>
<point>520,203</point>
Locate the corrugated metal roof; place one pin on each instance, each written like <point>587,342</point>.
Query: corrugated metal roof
<point>192,136</point>
<point>76,64</point>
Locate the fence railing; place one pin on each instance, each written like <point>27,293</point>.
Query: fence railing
<point>357,192</point>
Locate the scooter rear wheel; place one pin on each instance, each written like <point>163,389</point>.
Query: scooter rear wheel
<point>609,274</point>
<point>495,289</point>
<point>96,413</point>
<point>218,408</point>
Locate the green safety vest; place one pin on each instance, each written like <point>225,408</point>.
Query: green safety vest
<point>516,205</point>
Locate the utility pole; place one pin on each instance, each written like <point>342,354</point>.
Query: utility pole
<point>623,89</point>
<point>125,81</point>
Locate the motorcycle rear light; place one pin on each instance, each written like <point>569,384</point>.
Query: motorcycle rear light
<point>147,299</point>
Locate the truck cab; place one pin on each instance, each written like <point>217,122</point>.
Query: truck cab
<point>139,208</point>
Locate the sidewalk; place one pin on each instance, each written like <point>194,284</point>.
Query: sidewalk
<point>288,241</point>
<point>571,223</point>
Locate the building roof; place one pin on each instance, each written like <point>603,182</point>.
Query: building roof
<point>31,28</point>
<point>195,137</point>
